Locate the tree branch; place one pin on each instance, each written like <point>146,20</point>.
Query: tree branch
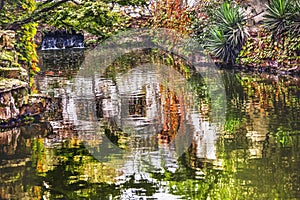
<point>254,15</point>
<point>36,15</point>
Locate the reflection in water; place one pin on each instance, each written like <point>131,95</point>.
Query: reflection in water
<point>256,156</point>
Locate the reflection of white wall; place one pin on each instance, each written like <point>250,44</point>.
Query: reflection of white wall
<point>78,98</point>
<point>137,82</point>
<point>154,107</point>
<point>107,91</point>
<point>204,136</point>
<point>69,109</point>
<point>141,163</point>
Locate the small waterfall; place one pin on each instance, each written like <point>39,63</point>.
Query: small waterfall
<point>62,40</point>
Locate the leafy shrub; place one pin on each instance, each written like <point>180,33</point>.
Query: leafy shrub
<point>96,18</point>
<point>277,45</point>
<point>27,48</point>
<point>295,25</point>
<point>262,51</point>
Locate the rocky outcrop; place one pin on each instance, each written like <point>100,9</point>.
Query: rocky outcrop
<point>9,66</point>
<point>255,8</point>
<point>15,102</point>
<point>16,105</point>
<point>13,95</point>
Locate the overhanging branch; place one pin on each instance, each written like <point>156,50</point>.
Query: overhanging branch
<point>36,15</point>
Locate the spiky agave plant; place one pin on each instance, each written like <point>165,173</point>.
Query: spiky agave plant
<point>294,28</point>
<point>218,45</point>
<point>228,34</point>
<point>278,16</point>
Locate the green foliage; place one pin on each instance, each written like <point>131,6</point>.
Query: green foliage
<point>26,47</point>
<point>14,10</point>
<point>278,15</point>
<point>6,55</point>
<point>263,51</point>
<point>223,32</point>
<point>203,18</point>
<point>228,33</point>
<point>283,16</point>
<point>126,2</point>
<point>277,44</point>
<point>295,25</point>
<point>217,44</point>
<point>96,18</point>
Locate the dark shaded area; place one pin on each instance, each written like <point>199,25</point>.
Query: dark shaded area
<point>60,63</point>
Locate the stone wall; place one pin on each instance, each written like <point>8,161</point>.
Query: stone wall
<point>16,104</point>
<point>13,95</point>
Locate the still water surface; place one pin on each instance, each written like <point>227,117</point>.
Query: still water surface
<point>130,153</point>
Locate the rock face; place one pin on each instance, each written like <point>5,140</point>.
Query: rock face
<point>13,91</point>
<point>15,102</point>
<point>13,95</point>
<point>9,66</point>
<point>255,8</point>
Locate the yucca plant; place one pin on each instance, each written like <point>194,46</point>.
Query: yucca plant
<point>295,19</point>
<point>278,16</point>
<point>229,33</point>
<point>218,45</point>
<point>283,17</point>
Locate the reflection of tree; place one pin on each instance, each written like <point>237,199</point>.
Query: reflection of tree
<point>260,106</point>
<point>154,56</point>
<point>116,136</point>
<point>18,175</point>
<point>199,183</point>
<point>171,115</point>
<point>255,117</point>
<point>259,109</point>
<point>148,188</point>
<point>79,175</point>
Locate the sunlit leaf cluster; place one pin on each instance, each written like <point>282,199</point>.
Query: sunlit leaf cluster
<point>96,18</point>
<point>14,10</point>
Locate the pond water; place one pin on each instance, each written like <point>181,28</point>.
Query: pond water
<point>152,135</point>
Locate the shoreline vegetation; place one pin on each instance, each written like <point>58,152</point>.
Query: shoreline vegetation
<point>269,44</point>
<point>259,36</point>
<point>262,36</point>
